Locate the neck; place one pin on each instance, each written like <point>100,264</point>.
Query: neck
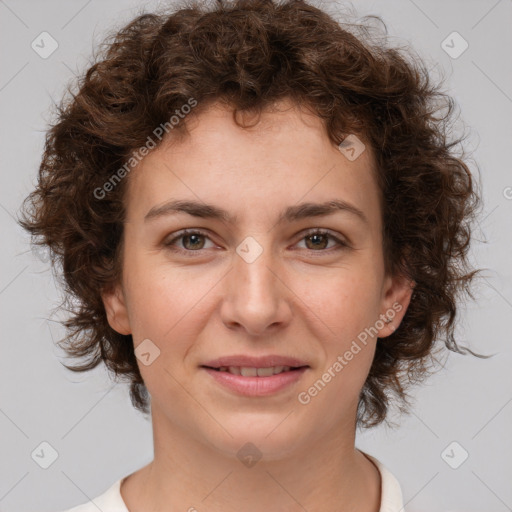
<point>325,474</point>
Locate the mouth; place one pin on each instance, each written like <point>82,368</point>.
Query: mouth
<point>250,371</point>
<point>250,381</point>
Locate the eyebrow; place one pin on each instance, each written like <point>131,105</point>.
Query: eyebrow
<point>290,214</point>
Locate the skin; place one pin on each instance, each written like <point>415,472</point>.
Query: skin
<point>297,298</point>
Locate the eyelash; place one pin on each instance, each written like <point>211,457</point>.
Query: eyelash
<point>170,244</point>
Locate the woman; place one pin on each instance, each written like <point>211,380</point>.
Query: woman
<point>266,231</point>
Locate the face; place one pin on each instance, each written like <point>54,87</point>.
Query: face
<point>268,278</point>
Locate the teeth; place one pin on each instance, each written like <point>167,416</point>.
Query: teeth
<point>254,372</point>
<point>248,372</point>
<point>265,372</point>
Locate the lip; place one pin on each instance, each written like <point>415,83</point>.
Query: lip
<point>255,362</point>
<point>256,386</point>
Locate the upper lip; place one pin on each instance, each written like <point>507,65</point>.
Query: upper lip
<point>244,361</point>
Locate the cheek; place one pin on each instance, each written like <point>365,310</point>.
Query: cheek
<point>342,303</point>
<point>163,308</point>
<point>162,297</point>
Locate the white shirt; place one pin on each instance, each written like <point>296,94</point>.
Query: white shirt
<point>112,501</point>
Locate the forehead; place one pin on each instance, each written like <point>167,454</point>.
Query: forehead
<point>284,157</point>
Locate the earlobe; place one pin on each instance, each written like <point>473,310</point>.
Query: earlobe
<point>115,308</point>
<point>396,299</point>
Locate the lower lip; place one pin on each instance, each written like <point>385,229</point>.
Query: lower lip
<point>257,386</point>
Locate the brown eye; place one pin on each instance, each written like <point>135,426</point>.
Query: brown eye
<point>191,241</point>
<point>317,240</point>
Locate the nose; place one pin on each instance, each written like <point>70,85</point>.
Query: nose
<point>256,299</point>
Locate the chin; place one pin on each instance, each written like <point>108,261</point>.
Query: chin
<point>268,438</point>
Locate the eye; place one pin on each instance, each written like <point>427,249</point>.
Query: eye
<point>192,241</point>
<point>318,239</point>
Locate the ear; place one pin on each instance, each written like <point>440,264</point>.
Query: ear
<point>396,296</point>
<point>117,312</point>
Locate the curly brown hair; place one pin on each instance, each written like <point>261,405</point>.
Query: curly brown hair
<point>252,53</point>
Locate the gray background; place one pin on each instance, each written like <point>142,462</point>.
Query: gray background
<point>88,418</point>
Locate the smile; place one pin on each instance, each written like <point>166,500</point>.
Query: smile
<point>249,371</point>
<point>251,381</point>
